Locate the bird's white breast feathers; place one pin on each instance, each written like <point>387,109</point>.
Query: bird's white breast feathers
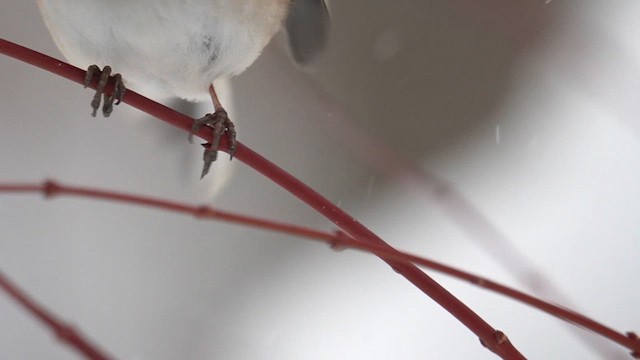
<point>175,47</point>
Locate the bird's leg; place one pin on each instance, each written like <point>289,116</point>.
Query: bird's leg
<point>116,96</point>
<point>220,123</point>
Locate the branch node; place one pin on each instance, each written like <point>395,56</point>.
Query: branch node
<point>66,333</point>
<point>479,281</point>
<point>50,189</point>
<point>337,243</point>
<point>203,211</point>
<point>499,338</point>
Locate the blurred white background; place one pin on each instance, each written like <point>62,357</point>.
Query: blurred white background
<point>526,112</point>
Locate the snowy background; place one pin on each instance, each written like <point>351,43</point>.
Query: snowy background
<point>527,112</point>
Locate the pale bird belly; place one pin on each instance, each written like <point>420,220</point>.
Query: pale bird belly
<point>162,47</point>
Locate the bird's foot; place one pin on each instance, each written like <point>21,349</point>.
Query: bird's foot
<point>103,78</point>
<point>220,123</point>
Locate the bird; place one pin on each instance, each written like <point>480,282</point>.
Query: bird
<point>179,47</point>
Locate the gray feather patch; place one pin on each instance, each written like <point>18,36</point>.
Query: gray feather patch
<point>308,29</point>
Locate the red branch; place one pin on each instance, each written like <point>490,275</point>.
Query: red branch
<point>494,340</point>
<point>340,240</point>
<point>63,331</point>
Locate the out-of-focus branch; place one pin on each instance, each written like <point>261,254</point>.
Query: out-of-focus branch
<point>63,331</point>
<point>339,240</point>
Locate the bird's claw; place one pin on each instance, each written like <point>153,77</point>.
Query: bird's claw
<point>109,100</point>
<point>220,123</point>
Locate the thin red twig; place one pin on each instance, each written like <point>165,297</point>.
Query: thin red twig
<point>494,340</point>
<point>52,189</point>
<point>63,331</point>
